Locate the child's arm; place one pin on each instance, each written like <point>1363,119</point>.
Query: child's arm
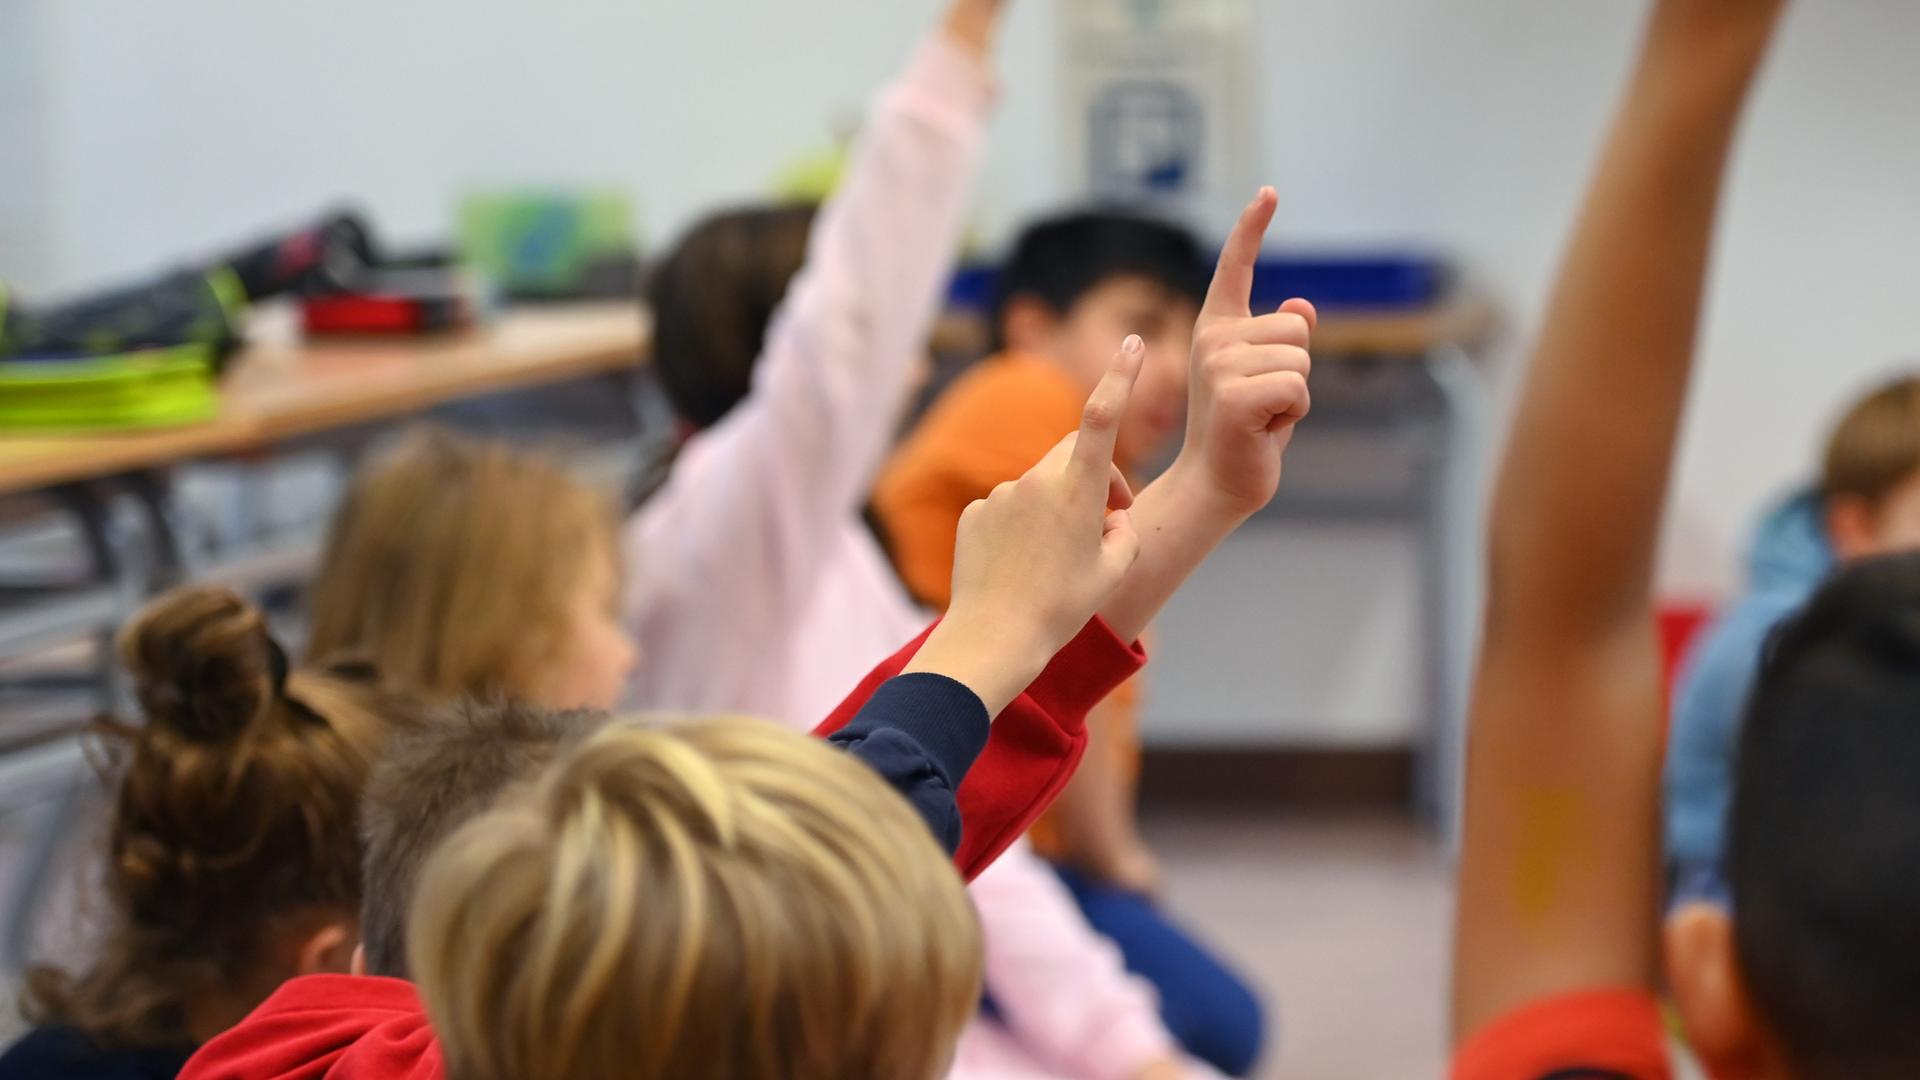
<point>755,503</point>
<point>1559,877</point>
<point>1035,559</point>
<point>1037,742</point>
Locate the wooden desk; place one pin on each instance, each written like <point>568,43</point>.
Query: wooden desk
<point>299,388</point>
<point>31,462</point>
<point>278,391</point>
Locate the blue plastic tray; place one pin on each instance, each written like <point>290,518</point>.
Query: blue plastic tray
<point>1334,281</point>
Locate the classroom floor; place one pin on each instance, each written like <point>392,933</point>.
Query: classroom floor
<point>1341,921</point>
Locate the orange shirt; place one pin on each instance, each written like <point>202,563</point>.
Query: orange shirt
<point>993,424</point>
<point>990,426</point>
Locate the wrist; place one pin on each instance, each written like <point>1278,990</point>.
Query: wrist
<point>995,657</point>
<point>1198,501</point>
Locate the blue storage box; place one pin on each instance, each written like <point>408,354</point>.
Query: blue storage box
<point>1331,282</point>
<point>1350,281</point>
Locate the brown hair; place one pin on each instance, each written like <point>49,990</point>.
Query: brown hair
<point>712,300</point>
<point>1876,446</point>
<point>235,816</point>
<point>449,563</point>
<point>432,780</point>
<point>720,899</point>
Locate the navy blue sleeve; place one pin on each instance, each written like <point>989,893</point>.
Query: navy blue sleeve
<point>65,1053</point>
<point>921,733</point>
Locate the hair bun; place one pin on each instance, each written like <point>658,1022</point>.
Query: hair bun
<point>202,662</point>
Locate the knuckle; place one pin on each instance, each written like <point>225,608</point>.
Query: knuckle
<point>1215,366</point>
<point>1100,413</point>
<point>1215,337</point>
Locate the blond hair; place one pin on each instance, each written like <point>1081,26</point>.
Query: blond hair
<point>716,899</point>
<point>450,562</point>
<point>235,814</point>
<point>1876,446</point>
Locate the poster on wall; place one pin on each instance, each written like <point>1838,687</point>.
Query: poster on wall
<point>1157,104</point>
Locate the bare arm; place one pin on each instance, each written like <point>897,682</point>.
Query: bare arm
<point>1559,877</point>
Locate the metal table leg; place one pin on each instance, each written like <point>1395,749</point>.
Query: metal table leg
<point>59,770</point>
<point>1451,587</point>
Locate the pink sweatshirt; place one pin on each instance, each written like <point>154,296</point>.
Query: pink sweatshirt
<point>755,587</point>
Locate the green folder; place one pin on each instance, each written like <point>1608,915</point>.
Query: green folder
<point>543,242</point>
<point>144,389</point>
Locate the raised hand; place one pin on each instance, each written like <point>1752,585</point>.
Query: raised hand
<point>1038,557</point>
<point>1045,549</point>
<point>1560,869</point>
<point>1248,378</point>
<point>973,23</point>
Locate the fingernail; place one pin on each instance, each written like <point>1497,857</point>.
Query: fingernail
<point>1133,345</point>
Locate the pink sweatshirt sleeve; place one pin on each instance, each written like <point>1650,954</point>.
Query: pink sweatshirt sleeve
<point>1060,987</point>
<point>756,503</point>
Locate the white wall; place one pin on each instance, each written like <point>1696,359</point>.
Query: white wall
<point>23,133</point>
<point>1466,126</point>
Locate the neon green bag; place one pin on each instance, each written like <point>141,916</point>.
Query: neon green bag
<point>144,389</point>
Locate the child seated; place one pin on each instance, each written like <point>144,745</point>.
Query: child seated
<point>1814,973</point>
<point>232,860</point>
<point>1867,504</point>
<point>1072,283</point>
<point>721,900</point>
<point>471,568</point>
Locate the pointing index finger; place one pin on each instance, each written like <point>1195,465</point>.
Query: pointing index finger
<point>1231,293</point>
<point>1100,420</point>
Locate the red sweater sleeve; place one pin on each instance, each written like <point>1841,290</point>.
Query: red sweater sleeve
<point>1034,745</point>
<point>1602,1034</point>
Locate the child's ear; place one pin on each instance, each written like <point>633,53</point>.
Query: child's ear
<point>1851,527</point>
<point>1703,967</point>
<point>330,949</point>
<point>1027,324</point>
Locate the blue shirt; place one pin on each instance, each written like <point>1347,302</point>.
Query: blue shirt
<point>1789,558</point>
